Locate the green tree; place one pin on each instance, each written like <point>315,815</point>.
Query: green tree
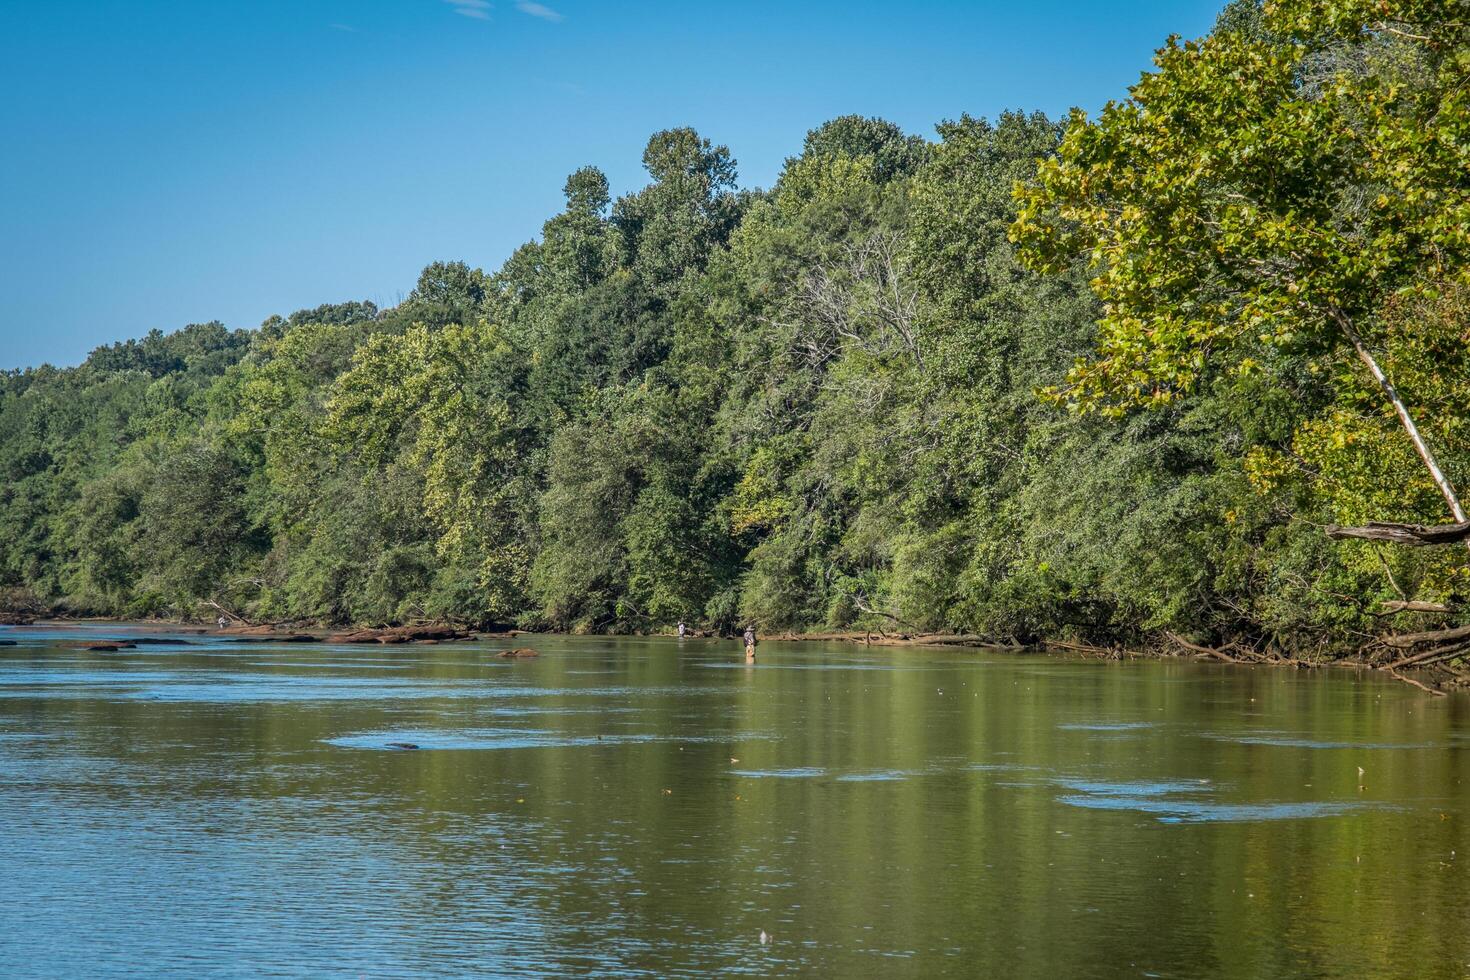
<point>1268,189</point>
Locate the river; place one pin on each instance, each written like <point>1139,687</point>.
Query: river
<point>646,807</point>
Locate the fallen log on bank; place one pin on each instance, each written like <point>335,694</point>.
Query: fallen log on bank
<point>1434,647</point>
<point>1201,650</point>
<point>1430,657</point>
<point>1406,641</point>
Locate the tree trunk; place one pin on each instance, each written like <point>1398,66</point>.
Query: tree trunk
<point>1440,480</point>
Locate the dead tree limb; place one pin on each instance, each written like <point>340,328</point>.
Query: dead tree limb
<point>227,613</point>
<point>1405,641</point>
<point>1412,535</point>
<point>1419,684</point>
<point>1203,651</point>
<point>1426,657</point>
<point>1394,607</point>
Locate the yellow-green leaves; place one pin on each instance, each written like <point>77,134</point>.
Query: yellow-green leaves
<point>757,503</point>
<point>441,403</point>
<point>1250,187</point>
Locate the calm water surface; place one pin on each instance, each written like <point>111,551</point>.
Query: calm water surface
<point>649,808</point>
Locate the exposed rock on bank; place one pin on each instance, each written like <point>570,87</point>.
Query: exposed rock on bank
<point>403,634</point>
<point>267,634</point>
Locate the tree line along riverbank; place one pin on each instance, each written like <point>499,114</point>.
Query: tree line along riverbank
<point>1187,375</point>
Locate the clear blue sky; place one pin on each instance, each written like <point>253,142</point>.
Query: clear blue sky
<point>164,162</point>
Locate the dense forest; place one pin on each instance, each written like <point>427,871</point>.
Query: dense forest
<point>1107,378</point>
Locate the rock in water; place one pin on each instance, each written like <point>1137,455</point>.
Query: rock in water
<point>524,653</point>
<point>402,634</point>
<point>357,636</point>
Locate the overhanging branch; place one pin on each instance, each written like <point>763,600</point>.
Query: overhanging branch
<point>1413,535</point>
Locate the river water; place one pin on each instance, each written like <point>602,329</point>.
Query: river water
<point>625,807</point>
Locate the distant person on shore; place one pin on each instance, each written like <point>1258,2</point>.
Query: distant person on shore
<point>222,622</point>
<point>750,643</point>
<point>681,629</point>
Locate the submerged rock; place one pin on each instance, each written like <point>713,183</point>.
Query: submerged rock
<point>520,652</point>
<point>403,746</point>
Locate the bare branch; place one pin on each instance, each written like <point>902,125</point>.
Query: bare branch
<point>1393,608</point>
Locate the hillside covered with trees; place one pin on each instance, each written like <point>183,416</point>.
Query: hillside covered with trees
<point>1097,378</point>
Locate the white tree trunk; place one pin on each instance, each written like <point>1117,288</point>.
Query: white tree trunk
<point>1440,480</point>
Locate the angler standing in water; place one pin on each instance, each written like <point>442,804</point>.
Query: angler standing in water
<point>750,643</point>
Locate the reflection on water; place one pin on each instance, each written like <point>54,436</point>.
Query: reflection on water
<point>511,738</point>
<point>1297,742</point>
<point>800,772</point>
<point>1179,802</point>
<point>647,808</point>
<point>1102,726</point>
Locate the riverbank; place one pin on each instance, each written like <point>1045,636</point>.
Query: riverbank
<point>278,633</point>
<point>1419,660</point>
<point>1422,660</point>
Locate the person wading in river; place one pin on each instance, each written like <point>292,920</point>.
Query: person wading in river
<point>750,643</point>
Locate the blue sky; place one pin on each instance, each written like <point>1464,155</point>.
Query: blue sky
<point>173,162</point>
